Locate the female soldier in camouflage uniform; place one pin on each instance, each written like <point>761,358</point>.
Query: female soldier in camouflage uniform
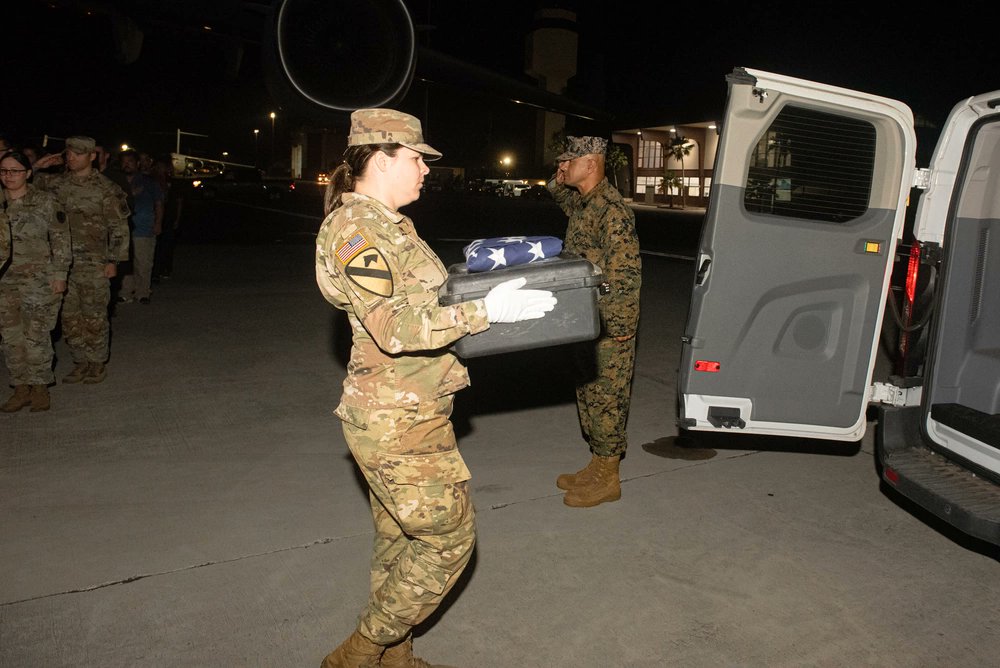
<point>31,288</point>
<point>401,380</point>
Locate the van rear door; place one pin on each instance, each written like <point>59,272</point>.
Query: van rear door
<point>808,199</point>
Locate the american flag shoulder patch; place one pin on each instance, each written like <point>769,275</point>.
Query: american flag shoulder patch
<point>352,247</point>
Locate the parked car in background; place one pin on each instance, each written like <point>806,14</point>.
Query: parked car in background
<point>244,183</point>
<point>536,192</point>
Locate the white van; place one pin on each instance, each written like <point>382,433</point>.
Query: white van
<point>808,200</point>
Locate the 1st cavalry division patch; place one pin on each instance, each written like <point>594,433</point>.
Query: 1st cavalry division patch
<point>369,270</point>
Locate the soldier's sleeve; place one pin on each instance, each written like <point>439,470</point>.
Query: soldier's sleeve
<point>326,270</point>
<point>4,239</point>
<point>568,199</point>
<point>398,313</point>
<point>623,272</point>
<point>59,242</point>
<point>117,212</point>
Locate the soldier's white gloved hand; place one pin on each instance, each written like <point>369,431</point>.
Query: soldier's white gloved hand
<point>507,302</point>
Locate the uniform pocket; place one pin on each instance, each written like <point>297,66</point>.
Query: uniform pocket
<point>426,429</point>
<point>423,470</point>
<point>353,415</point>
<point>430,493</point>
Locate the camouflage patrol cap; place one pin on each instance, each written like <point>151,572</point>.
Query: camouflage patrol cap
<point>388,126</point>
<point>580,146</point>
<point>81,145</point>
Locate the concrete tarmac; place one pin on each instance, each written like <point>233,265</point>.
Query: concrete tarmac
<point>199,508</point>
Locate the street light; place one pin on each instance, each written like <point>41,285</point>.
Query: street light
<point>256,143</point>
<point>505,163</point>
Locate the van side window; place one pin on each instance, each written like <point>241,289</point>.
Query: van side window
<point>813,165</point>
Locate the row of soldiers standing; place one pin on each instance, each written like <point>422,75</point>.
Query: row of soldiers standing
<point>63,235</point>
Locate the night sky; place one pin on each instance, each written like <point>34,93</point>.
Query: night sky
<point>644,62</point>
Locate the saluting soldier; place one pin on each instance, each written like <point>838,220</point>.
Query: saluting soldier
<point>37,236</point>
<point>98,218</point>
<point>601,228</point>
<point>401,380</point>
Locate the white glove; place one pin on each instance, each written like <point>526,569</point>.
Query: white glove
<point>507,302</point>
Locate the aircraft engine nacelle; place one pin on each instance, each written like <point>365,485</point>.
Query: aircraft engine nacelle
<point>325,58</point>
<point>335,57</point>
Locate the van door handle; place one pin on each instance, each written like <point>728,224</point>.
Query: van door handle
<point>703,267</point>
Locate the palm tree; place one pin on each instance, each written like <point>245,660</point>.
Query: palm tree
<point>614,160</point>
<point>679,149</point>
<point>668,183</point>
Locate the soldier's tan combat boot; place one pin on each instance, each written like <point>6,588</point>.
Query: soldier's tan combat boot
<point>40,398</point>
<point>601,485</point>
<point>96,373</point>
<point>355,652</point>
<point>571,480</point>
<point>18,400</point>
<point>400,655</point>
<point>78,373</point>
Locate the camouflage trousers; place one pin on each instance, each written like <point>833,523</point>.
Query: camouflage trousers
<point>85,313</point>
<point>28,314</point>
<point>424,518</point>
<point>604,392</point>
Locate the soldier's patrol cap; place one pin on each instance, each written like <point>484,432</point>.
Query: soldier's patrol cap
<point>81,144</point>
<point>580,146</point>
<point>388,126</point>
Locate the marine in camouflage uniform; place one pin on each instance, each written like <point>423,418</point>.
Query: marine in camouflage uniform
<point>396,402</point>
<point>601,228</point>
<point>98,218</point>
<point>29,304</point>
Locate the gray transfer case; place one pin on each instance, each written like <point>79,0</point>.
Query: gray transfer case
<point>575,282</point>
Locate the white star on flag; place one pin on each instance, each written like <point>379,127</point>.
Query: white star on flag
<point>499,252</point>
<point>496,254</point>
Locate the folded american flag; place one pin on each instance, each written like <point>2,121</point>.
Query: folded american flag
<point>499,252</point>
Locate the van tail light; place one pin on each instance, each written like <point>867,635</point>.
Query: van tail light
<point>909,297</point>
<point>911,273</point>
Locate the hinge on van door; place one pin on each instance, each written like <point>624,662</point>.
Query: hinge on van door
<point>884,393</point>
<point>921,178</point>
<point>930,252</point>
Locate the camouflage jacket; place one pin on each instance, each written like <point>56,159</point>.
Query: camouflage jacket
<point>4,242</point>
<point>98,215</point>
<point>601,228</point>
<point>39,232</point>
<point>371,264</point>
